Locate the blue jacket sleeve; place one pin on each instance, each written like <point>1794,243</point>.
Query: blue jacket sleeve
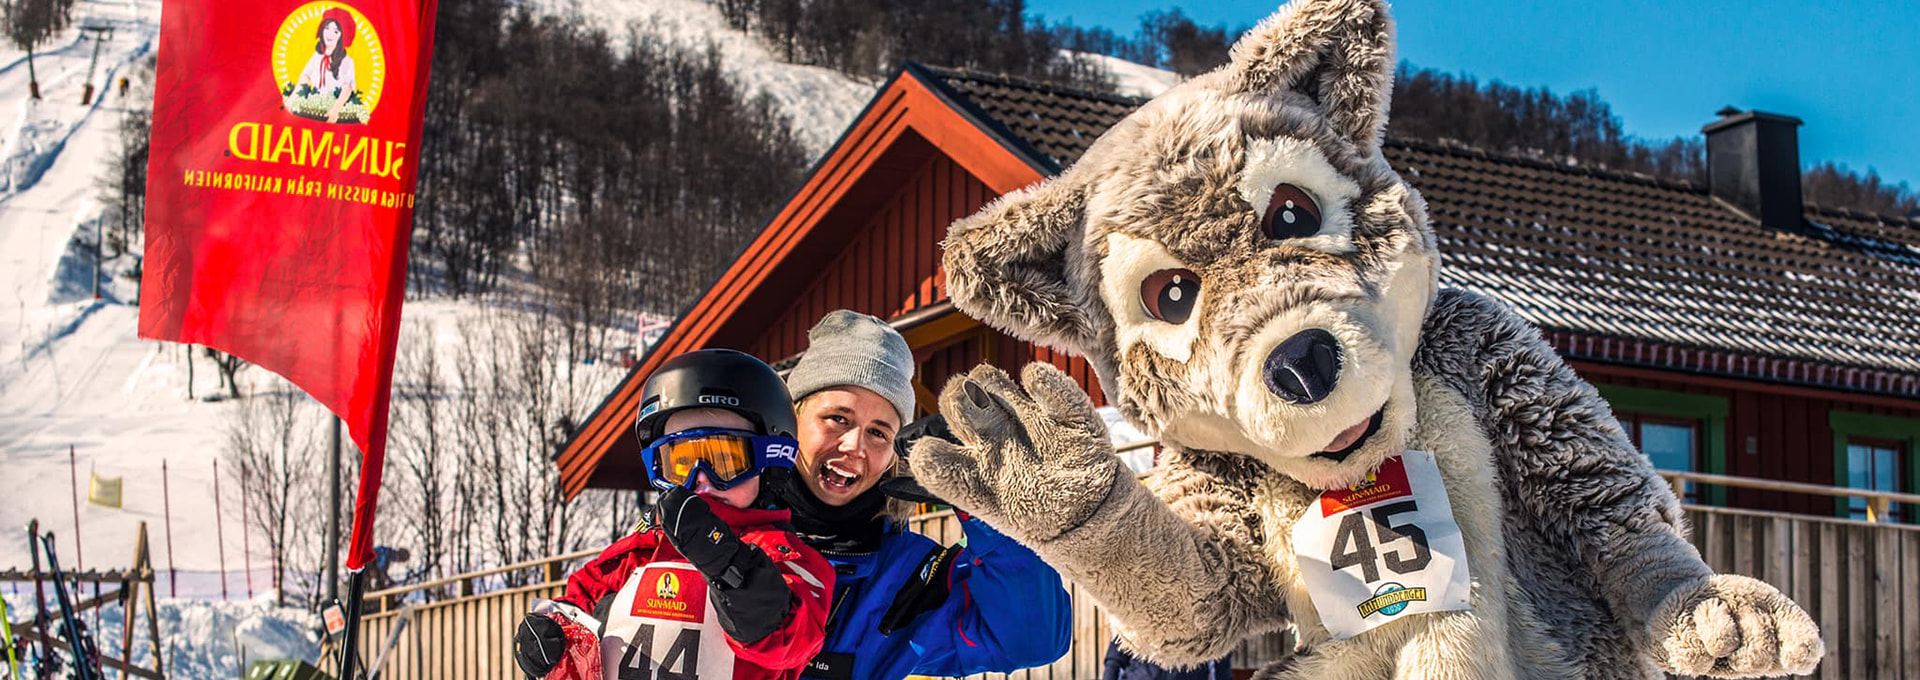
<point>1007,610</point>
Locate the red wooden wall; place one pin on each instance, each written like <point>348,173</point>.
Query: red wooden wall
<point>884,270</point>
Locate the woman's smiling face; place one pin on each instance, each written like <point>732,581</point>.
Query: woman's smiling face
<point>330,34</point>
<point>846,442</point>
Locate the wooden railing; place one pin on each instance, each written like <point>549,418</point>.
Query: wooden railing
<point>1860,580</point>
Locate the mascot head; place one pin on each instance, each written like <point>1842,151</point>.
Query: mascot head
<point>1235,259</point>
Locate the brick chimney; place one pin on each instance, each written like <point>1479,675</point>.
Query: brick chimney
<point>1753,163</point>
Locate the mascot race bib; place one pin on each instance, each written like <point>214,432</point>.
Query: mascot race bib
<point>1384,549</point>
<point>661,627</point>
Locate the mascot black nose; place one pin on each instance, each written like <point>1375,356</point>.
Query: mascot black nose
<point>1304,369</point>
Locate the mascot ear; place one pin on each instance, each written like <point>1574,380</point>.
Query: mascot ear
<point>1338,53</point>
<point>1011,264</point>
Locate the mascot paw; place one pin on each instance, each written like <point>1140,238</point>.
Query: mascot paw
<point>1734,627</point>
<point>1033,462</point>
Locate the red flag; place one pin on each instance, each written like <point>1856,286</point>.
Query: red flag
<point>279,196</point>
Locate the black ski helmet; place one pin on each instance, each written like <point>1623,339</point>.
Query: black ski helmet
<point>716,378</point>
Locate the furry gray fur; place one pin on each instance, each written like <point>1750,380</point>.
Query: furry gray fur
<point>1579,561</point>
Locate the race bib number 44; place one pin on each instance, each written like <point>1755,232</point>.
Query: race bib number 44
<point>660,627</point>
<point>1385,549</point>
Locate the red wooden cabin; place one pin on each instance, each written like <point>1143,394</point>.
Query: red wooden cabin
<point>1735,330</point>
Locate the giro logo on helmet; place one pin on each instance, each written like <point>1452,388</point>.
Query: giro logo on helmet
<point>719,399</point>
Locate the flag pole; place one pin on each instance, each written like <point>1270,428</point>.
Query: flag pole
<point>219,530</point>
<point>356,587</point>
<point>73,473</point>
<point>333,515</point>
<point>166,498</point>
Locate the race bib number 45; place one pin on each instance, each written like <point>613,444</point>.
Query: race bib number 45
<point>1385,549</point>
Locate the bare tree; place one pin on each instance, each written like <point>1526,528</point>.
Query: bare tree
<point>268,442</point>
<point>29,23</point>
<point>229,366</point>
<point>420,452</point>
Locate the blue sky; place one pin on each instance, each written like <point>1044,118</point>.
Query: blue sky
<point>1852,74</point>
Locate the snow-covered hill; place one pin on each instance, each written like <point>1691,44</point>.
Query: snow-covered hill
<point>73,375</point>
<point>820,101</point>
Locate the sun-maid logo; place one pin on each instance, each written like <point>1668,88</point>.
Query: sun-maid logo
<point>1390,481</point>
<point>328,64</point>
<point>670,592</point>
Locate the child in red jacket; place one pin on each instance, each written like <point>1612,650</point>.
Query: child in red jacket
<point>712,586</point>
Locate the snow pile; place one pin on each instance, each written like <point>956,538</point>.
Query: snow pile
<point>202,640</point>
<point>820,101</point>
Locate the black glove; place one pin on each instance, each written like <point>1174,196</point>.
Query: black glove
<point>905,487</point>
<point>538,644</point>
<point>747,591</point>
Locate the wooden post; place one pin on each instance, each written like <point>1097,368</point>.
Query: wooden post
<point>153,631</point>
<point>129,589</point>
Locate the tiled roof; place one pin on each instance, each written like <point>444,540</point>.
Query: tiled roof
<point>1600,253</point>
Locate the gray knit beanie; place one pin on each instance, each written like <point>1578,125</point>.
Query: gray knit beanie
<point>853,349</point>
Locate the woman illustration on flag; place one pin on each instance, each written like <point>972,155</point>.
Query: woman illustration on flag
<point>326,89</point>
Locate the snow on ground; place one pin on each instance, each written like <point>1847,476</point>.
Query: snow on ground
<point>74,375</point>
<point>220,638</point>
<point>71,373</point>
<point>822,102</point>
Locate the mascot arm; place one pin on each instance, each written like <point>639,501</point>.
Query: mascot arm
<point>1183,577</point>
<point>1572,468</point>
<point>1563,454</point>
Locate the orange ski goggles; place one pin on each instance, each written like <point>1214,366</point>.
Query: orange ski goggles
<point>729,457</point>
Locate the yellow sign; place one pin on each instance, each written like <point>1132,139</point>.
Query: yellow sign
<point>102,491</point>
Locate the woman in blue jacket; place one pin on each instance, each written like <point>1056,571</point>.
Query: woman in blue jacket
<point>902,603</point>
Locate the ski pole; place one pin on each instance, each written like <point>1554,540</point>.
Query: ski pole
<point>84,655</point>
<point>6,638</point>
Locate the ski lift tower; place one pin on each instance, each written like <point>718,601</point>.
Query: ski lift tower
<point>101,31</point>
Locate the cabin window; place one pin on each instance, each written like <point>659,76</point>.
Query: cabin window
<point>1875,464</point>
<point>1872,451</point>
<point>1671,443</point>
<point>1677,431</point>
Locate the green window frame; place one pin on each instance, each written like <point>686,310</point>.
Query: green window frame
<point>1710,410</point>
<point>1849,424</point>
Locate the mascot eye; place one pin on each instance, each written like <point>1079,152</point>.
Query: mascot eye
<point>1291,213</point>
<point>1168,295</point>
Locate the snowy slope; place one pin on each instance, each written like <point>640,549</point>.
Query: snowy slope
<point>1136,80</point>
<point>820,101</point>
<point>73,373</point>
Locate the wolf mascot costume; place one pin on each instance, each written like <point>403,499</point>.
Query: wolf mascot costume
<point>1408,475</point>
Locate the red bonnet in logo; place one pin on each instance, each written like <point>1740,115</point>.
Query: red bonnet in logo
<point>344,18</point>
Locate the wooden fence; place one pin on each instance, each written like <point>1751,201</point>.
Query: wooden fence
<point>1859,580</point>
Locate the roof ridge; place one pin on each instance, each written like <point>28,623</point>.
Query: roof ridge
<point>1858,213</point>
<point>1463,149</point>
<point>1031,84</point>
